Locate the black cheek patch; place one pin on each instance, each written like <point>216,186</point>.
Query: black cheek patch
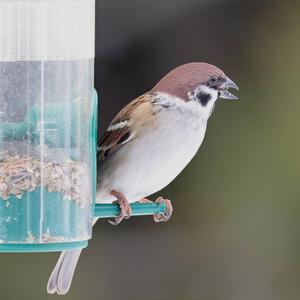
<point>204,98</point>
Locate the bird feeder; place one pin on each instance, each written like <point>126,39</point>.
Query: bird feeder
<point>48,125</point>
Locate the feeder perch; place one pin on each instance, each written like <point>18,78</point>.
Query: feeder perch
<point>48,127</point>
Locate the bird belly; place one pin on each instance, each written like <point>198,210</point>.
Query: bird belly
<point>150,162</point>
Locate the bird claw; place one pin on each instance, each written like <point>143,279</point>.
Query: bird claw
<point>116,221</point>
<point>165,216</point>
<point>125,209</point>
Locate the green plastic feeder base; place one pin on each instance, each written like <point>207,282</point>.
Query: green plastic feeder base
<point>51,247</point>
<point>45,221</point>
<point>101,211</point>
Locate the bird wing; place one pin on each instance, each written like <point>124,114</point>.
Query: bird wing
<point>123,128</point>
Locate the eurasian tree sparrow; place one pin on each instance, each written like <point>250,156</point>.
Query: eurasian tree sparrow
<point>149,143</point>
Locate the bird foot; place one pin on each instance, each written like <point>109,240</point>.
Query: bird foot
<point>164,217</point>
<point>124,208</point>
<point>161,217</point>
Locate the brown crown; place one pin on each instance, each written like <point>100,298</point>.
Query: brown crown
<point>183,79</point>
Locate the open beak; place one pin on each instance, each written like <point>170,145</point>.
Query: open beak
<point>223,91</point>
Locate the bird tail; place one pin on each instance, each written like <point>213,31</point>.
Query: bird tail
<point>62,275</point>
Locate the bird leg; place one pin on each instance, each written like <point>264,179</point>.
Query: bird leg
<point>124,207</point>
<point>161,217</point>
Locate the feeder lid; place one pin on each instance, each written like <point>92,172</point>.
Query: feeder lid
<point>43,30</point>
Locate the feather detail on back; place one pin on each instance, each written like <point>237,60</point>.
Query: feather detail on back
<point>124,127</point>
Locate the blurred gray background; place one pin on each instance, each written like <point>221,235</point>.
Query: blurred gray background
<point>235,233</point>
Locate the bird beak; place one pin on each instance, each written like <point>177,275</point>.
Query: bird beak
<point>223,91</point>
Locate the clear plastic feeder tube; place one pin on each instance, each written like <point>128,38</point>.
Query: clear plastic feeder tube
<point>46,111</point>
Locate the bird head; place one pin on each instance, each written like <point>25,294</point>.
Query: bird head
<point>199,83</point>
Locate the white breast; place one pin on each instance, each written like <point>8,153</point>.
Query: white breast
<point>150,162</point>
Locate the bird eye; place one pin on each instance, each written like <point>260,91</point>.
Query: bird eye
<point>213,81</point>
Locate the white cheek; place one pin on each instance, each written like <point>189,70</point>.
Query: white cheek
<point>212,92</point>
<point>206,110</point>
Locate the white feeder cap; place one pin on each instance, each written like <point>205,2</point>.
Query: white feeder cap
<point>47,30</point>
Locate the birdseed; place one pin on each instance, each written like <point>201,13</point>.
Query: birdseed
<point>20,174</point>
